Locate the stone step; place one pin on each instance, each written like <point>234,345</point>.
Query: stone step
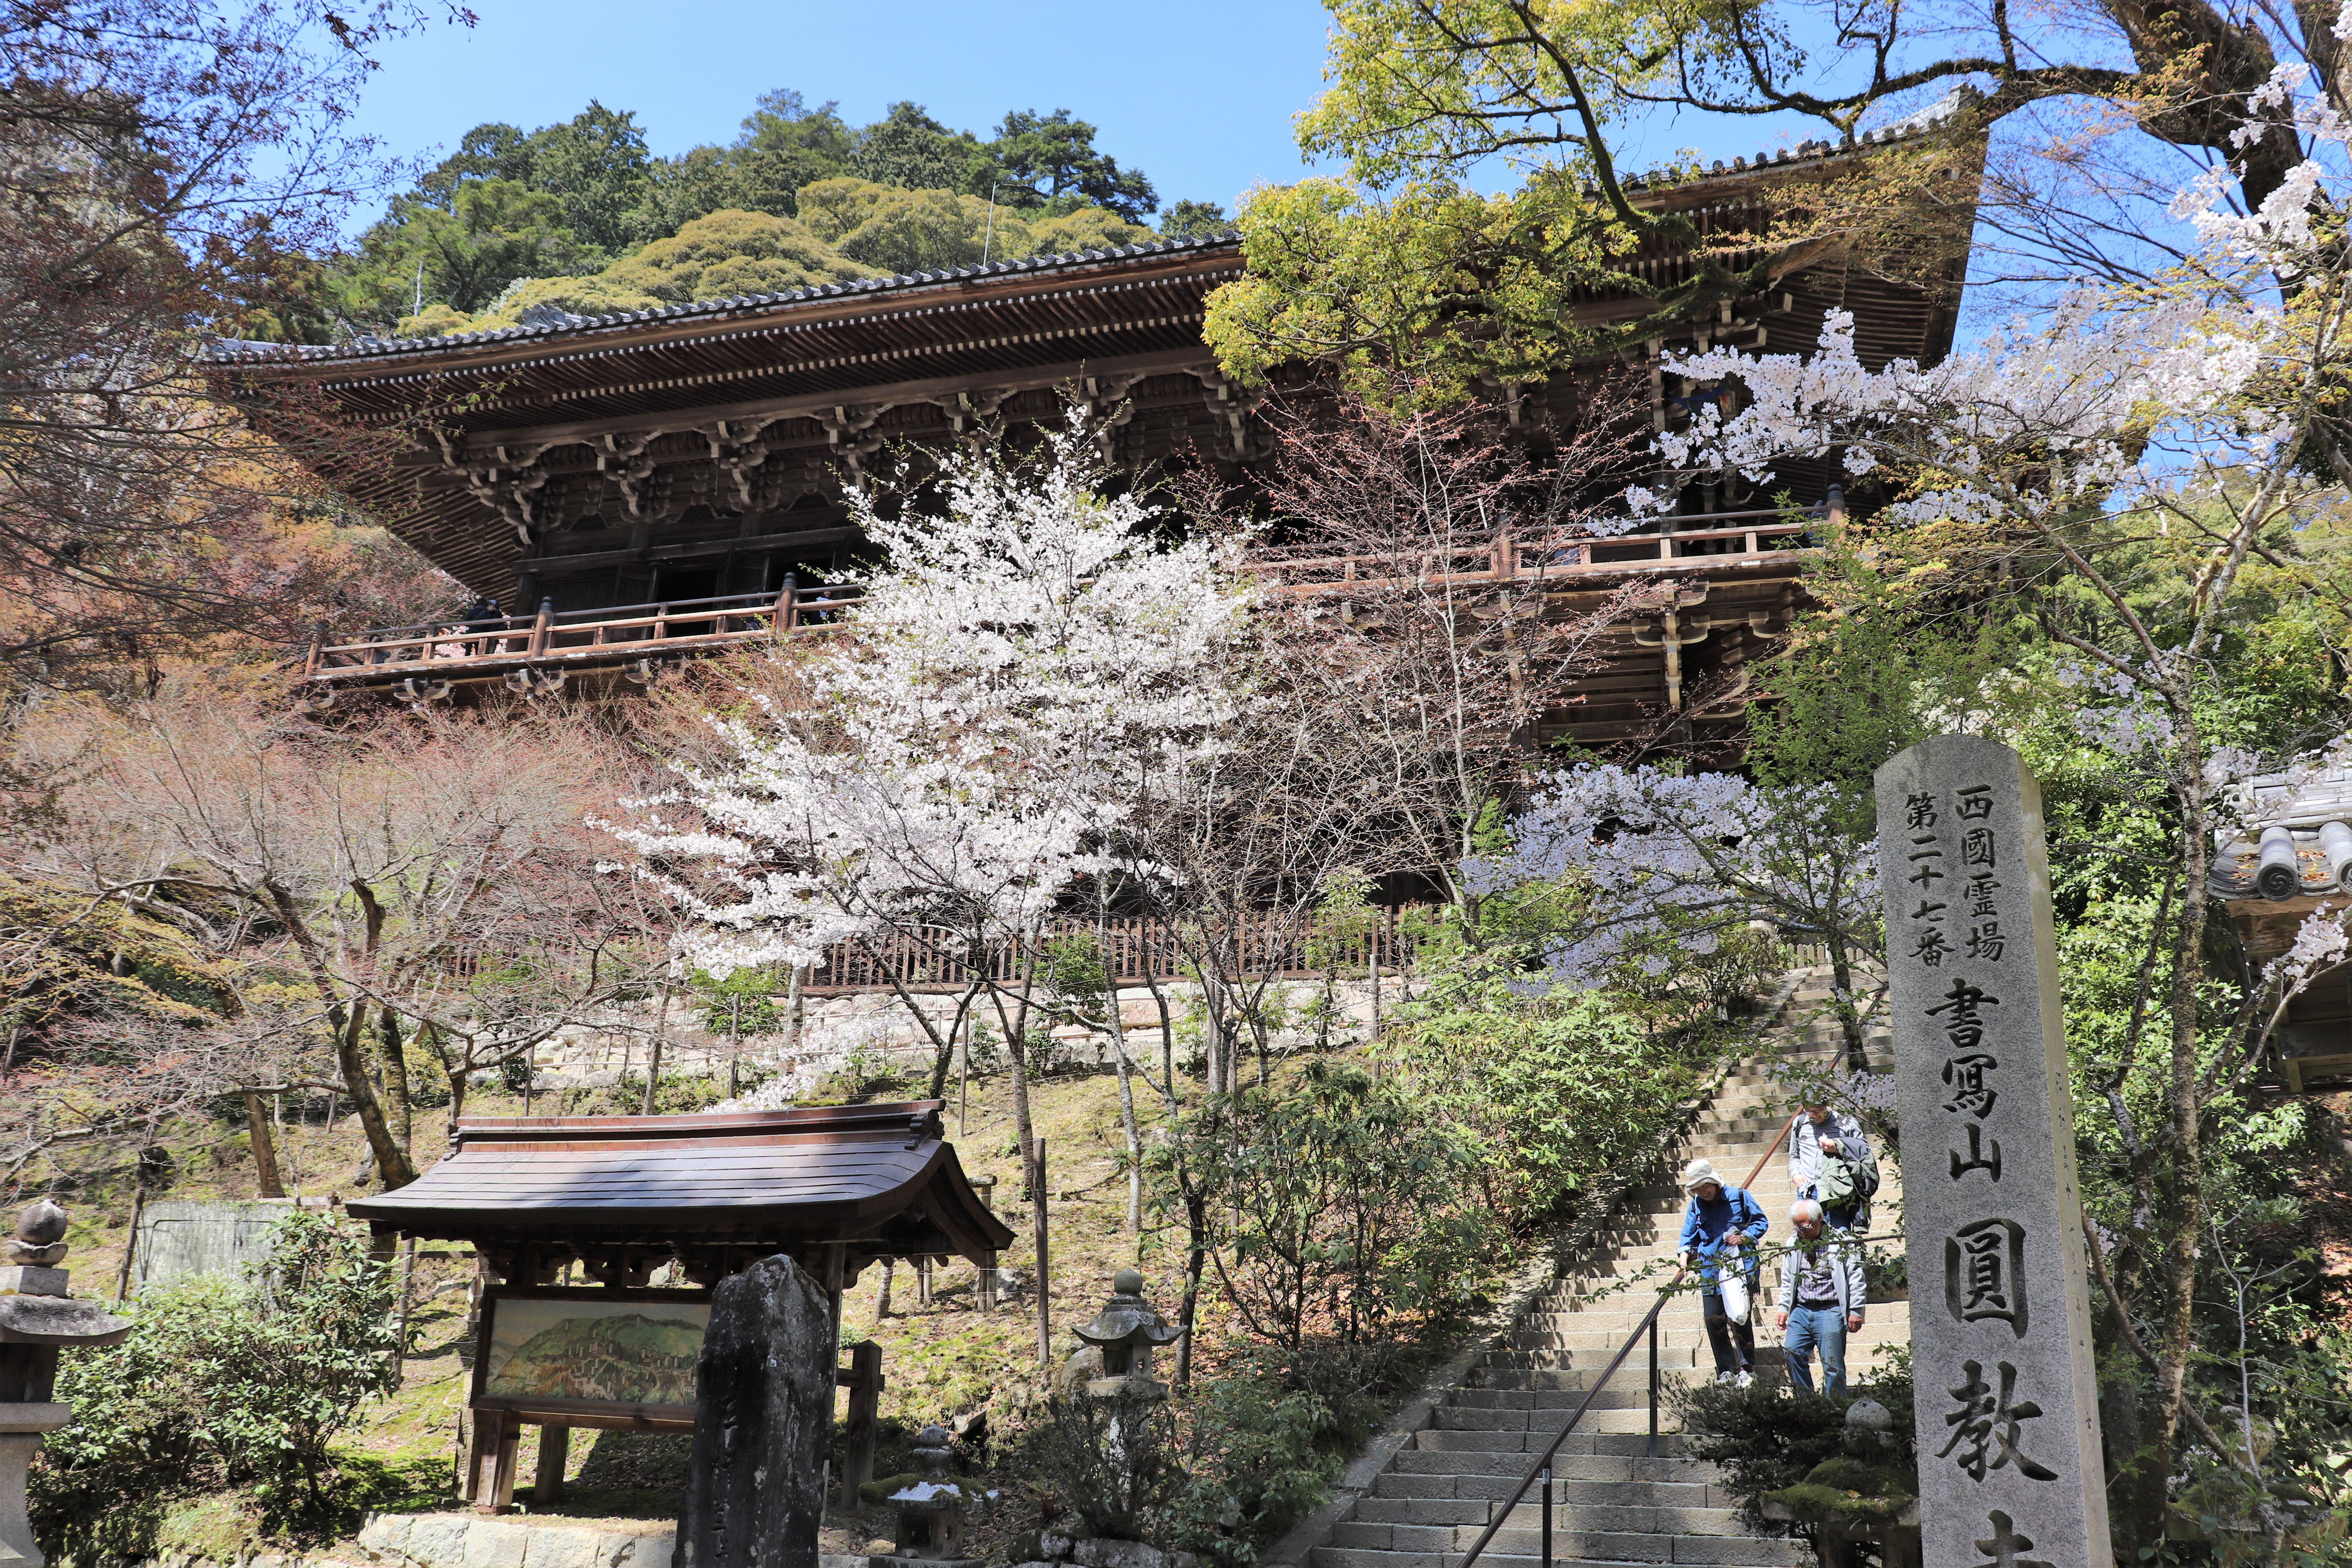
<point>1612,1503</point>
<point>1594,1549</point>
<point>1599,1470</point>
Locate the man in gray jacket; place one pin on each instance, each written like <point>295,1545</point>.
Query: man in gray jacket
<point>1819,1136</point>
<point>1821,1297</point>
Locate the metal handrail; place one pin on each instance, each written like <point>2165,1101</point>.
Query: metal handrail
<point>1648,1328</point>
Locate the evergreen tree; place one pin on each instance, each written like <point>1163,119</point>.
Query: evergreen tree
<point>1052,159</point>
<point>908,147</point>
<point>1194,220</point>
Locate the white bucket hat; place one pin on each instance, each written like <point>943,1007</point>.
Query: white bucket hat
<point>1698,1173</point>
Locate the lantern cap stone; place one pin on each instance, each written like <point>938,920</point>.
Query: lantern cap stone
<point>1127,1318</point>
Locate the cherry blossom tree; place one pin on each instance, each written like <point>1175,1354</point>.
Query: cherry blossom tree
<point>1684,861</point>
<point>1032,664</point>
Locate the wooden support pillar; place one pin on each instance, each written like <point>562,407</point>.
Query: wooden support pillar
<point>554,1448</point>
<point>490,1461</point>
<point>864,1380</point>
<point>923,1281</point>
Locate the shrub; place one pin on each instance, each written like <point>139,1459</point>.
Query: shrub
<point>1556,1092</point>
<point>224,1384</point>
<point>1260,1459</point>
<point>1767,1441</point>
<point>1335,1209</point>
<point>1111,1462</point>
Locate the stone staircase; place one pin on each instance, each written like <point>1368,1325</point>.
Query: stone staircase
<point>1612,1503</point>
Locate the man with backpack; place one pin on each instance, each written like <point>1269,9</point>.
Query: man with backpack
<point>1721,1227</point>
<point>1830,1162</point>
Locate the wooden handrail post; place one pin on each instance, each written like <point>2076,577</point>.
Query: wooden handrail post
<point>1834,505</point>
<point>788,603</point>
<point>318,649</point>
<point>538,630</point>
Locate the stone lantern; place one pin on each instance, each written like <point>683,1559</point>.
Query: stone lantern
<point>931,1507</point>
<point>38,1319</point>
<point>1127,1330</point>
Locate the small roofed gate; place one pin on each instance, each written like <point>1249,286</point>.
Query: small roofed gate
<point>835,1188</point>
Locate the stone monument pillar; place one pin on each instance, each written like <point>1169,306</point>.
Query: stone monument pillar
<point>38,1319</point>
<point>763,1419</point>
<point>2010,1466</point>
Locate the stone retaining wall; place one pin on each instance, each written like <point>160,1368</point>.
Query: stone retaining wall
<point>879,1025</point>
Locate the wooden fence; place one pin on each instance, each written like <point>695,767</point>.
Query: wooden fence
<point>1134,950</point>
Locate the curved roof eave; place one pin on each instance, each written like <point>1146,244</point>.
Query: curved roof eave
<point>373,351</point>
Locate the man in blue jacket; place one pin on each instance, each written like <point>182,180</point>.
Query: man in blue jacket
<point>1721,1228</point>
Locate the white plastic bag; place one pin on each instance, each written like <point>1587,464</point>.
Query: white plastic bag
<point>1731,1277</point>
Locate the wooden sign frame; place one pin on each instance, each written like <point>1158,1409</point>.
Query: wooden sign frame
<point>546,1410</point>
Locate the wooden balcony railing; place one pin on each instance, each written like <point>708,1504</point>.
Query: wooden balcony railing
<point>603,635</point>
<point>620,634</point>
<point>1307,569</point>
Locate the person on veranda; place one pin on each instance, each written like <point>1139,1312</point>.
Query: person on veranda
<point>1821,1297</point>
<point>1722,1226</point>
<point>1830,1161</point>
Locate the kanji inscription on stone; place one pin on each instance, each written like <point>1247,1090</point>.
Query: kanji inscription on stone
<point>2007,1411</point>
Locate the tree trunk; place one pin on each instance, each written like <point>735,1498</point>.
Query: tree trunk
<point>399,1113</point>
<point>350,1024</point>
<point>943,1055</point>
<point>1017,1029</point>
<point>653,1062</point>
<point>1126,1115</point>
<point>1196,1259</point>
<point>392,1162</point>
<point>264,1153</point>
<point>1849,1021</point>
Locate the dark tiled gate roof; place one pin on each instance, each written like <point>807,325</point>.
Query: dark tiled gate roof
<point>880,1176</point>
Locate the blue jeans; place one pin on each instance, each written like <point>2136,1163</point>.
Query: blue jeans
<point>1814,1329</point>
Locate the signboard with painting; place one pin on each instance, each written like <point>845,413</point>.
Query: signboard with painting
<point>590,1357</point>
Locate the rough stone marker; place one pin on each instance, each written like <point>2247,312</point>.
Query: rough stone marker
<point>2009,1469</point>
<point>763,1417</point>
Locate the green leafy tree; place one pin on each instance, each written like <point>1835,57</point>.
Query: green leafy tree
<point>598,295</point>
<point>596,166</point>
<point>908,147</point>
<point>1089,228</point>
<point>1336,1207</point>
<point>783,124</point>
<point>1190,219</point>
<point>493,232</point>
<point>491,151</point>
<point>891,230</point>
<point>1051,160</point>
<point>730,253</point>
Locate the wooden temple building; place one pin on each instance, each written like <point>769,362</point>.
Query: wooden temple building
<point>637,488</point>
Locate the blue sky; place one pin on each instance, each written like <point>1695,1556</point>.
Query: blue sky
<point>1198,95</point>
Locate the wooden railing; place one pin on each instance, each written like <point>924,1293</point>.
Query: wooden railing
<point>1532,557</point>
<point>635,631</point>
<point>486,646</point>
<point>1133,951</point>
